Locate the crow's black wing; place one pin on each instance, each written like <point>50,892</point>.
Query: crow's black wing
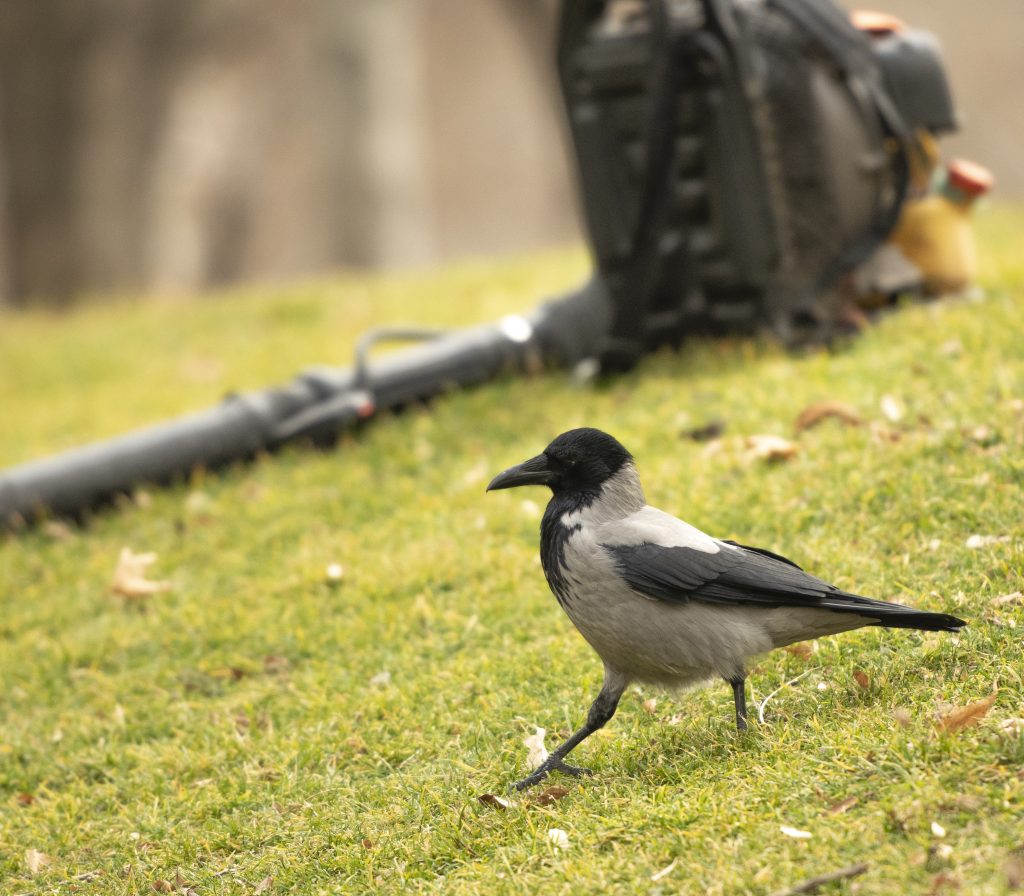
<point>662,558</point>
<point>738,575</point>
<point>763,551</point>
<point>732,574</point>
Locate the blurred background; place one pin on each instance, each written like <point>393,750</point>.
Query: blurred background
<point>148,146</point>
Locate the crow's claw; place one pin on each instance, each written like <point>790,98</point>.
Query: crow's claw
<point>551,766</point>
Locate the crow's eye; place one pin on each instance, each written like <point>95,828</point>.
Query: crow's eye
<point>561,462</point>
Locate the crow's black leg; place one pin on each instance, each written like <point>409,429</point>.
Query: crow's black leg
<point>601,710</point>
<point>739,696</point>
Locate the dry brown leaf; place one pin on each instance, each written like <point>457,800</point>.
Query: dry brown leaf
<point>24,799</point>
<point>813,414</point>
<point>130,576</point>
<point>36,860</point>
<point>944,880</point>
<point>650,705</point>
<point>493,800</point>
<point>273,664</point>
<point>367,843</point>
<point>842,806</point>
<point>770,448</point>
<point>1014,868</point>
<point>802,649</point>
<point>263,886</point>
<point>862,679</point>
<point>162,886</point>
<point>550,795</point>
<point>902,717</point>
<point>1006,600</point>
<point>964,716</point>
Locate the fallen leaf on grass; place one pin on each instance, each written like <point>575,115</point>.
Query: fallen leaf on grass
<point>902,717</point>
<point>1006,600</point>
<point>842,806</point>
<point>24,799</point>
<point>550,795</point>
<point>274,664</point>
<point>944,880</point>
<point>770,448</point>
<point>813,414</point>
<point>975,542</point>
<point>802,649</point>
<point>882,434</point>
<point>795,833</point>
<point>263,885</point>
<point>492,799</point>
<point>381,680</point>
<point>862,679</point>
<point>130,576</point>
<point>36,860</point>
<point>707,432</point>
<point>162,886</point>
<point>1014,868</point>
<point>537,752</point>
<point>558,838</point>
<point>964,716</point>
<point>1012,727</point>
<point>658,875</point>
<point>650,705</point>
<point>891,408</point>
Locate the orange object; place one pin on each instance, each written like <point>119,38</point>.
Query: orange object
<point>876,23</point>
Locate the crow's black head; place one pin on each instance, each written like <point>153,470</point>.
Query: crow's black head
<point>578,460</point>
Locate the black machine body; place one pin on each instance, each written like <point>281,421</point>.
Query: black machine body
<point>738,157</point>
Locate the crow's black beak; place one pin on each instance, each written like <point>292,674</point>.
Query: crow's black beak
<point>534,471</point>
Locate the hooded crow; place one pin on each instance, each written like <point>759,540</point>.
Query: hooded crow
<point>659,600</point>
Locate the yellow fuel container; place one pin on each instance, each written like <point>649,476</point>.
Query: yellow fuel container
<point>934,232</point>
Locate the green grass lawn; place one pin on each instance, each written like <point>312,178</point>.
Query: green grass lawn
<point>260,728</point>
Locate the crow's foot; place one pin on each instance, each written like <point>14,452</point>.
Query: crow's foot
<point>542,772</point>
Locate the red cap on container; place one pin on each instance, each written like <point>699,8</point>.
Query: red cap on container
<point>969,177</point>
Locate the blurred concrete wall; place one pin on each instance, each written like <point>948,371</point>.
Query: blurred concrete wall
<point>147,145</point>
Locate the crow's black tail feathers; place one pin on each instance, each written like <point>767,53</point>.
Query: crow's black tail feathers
<point>890,615</point>
<point>926,622</point>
